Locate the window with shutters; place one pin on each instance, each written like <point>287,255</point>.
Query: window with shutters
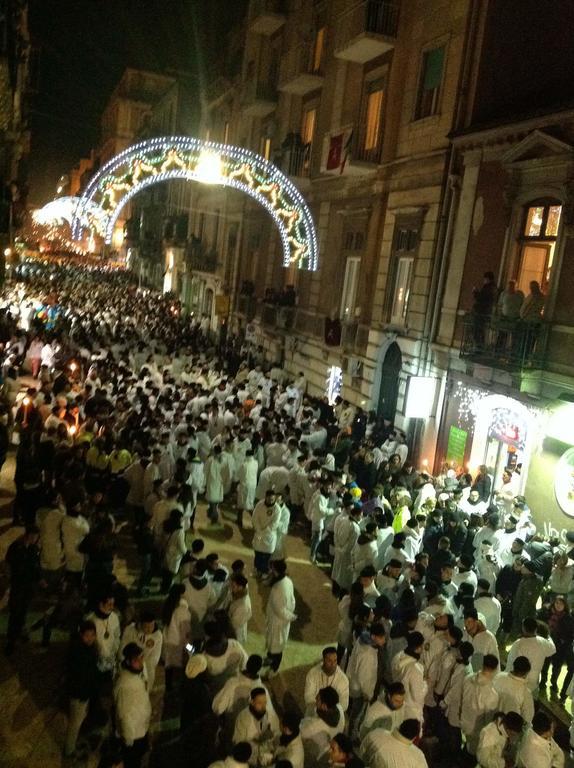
<point>404,251</point>
<point>371,122</point>
<point>430,82</point>
<point>350,285</point>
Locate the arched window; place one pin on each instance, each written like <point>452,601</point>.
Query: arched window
<point>540,228</point>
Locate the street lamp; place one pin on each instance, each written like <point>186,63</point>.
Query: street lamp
<point>209,168</point>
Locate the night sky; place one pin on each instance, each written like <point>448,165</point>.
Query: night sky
<point>84,47</point>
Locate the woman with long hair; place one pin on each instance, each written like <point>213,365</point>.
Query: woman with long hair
<point>561,625</point>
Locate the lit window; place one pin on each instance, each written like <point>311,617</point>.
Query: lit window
<point>534,221</point>
<point>226,132</point>
<point>373,120</point>
<point>430,83</point>
<point>265,147</point>
<point>318,49</point>
<point>402,290</point>
<point>308,125</point>
<point>542,221</point>
<point>350,284</point>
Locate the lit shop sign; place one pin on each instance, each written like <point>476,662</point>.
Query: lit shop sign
<point>421,394</point>
<point>564,482</point>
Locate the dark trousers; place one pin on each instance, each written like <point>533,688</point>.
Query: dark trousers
<point>133,755</point>
<point>274,660</point>
<point>262,561</point>
<point>166,580</point>
<point>564,656</point>
<point>18,605</point>
<point>213,512</point>
<point>145,572</point>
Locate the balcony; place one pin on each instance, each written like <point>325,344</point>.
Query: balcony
<point>266,17</point>
<point>259,99</point>
<point>504,344</point>
<point>216,89</point>
<point>354,337</point>
<point>199,258</point>
<point>298,74</point>
<point>359,159</point>
<point>295,159</point>
<point>366,30</point>
<point>247,306</point>
<point>278,318</point>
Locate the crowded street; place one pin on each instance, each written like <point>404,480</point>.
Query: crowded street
<point>286,384</point>
<point>168,495</point>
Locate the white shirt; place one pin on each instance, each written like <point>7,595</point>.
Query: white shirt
<point>514,695</point>
<point>536,752</point>
<point>537,650</point>
<point>382,749</point>
<point>317,679</point>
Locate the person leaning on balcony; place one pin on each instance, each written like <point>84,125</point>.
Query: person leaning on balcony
<point>483,305</point>
<point>510,302</point>
<point>533,305</point>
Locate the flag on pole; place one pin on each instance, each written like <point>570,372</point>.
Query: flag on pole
<point>339,148</point>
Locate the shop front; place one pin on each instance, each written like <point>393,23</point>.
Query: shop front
<point>536,442</point>
<point>550,486</point>
<point>480,427</point>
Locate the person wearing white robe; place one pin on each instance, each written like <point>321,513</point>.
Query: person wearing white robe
<point>235,694</point>
<point>214,491</point>
<point>289,746</point>
<point>537,748</point>
<point>488,605</point>
<point>149,637</point>
<point>513,691</point>
<point>536,649</point>
<point>387,712</point>
<point>479,702</point>
<point>239,609</point>
<point>247,477</point>
<point>497,738</point>
<point>258,725</point>
<point>385,749</point>
<point>346,534</point>
<point>483,641</point>
<point>407,669</point>
<point>326,673</point>
<point>282,529</point>
<point>318,729</point>
<point>279,614</point>
<point>200,596</point>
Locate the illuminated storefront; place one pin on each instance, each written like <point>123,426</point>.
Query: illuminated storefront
<point>502,432</point>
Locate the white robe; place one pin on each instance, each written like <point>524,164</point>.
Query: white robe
<point>133,707</point>
<point>247,476</point>
<point>479,703</point>
<point>317,679</point>
<point>176,635</point>
<point>536,752</point>
<point>279,615</point>
<point>214,480</point>
<point>259,733</point>
<point>382,749</point>
<point>346,534</point>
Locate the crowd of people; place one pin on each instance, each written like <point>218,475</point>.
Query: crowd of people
<point>135,419</point>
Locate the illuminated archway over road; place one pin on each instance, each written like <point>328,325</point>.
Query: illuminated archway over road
<point>180,157</point>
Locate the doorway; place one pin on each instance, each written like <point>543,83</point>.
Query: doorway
<point>389,391</point>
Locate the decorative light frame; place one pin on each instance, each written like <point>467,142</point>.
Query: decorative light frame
<point>177,157</point>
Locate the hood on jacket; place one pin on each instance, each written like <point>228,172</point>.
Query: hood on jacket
<point>404,661</point>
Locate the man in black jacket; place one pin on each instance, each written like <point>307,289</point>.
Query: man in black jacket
<point>23,559</point>
<point>82,681</point>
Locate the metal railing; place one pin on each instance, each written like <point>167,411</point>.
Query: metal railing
<point>502,343</point>
<point>376,17</point>
<point>256,90</point>
<point>200,258</point>
<point>296,160</point>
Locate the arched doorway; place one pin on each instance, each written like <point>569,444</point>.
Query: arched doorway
<point>389,389</point>
<point>182,157</point>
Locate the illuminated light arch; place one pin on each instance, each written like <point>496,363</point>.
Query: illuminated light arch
<point>179,157</point>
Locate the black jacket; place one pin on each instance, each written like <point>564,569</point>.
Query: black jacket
<point>82,680</point>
